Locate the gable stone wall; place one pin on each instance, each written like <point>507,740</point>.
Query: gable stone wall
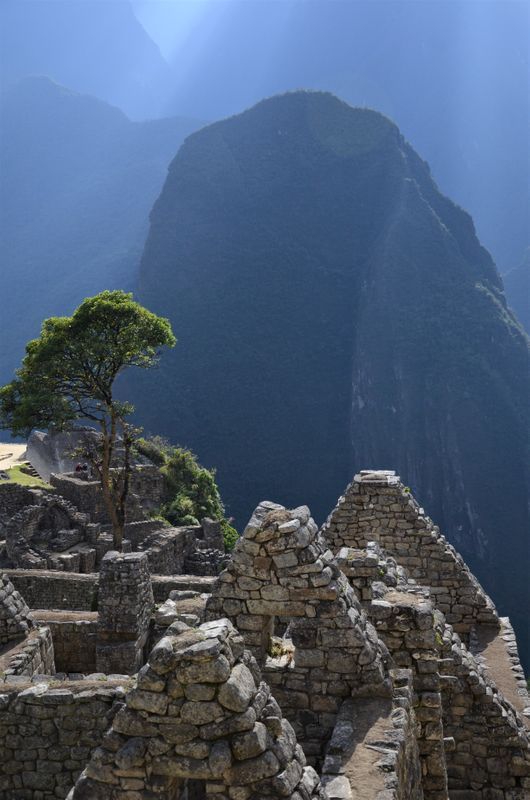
<point>378,507</point>
<point>280,574</point>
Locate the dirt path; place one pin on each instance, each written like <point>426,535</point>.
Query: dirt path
<point>11,453</point>
<point>371,720</point>
<point>492,648</point>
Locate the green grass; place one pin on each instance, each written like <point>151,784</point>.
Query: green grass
<point>16,475</point>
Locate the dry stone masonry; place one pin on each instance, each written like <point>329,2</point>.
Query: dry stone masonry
<point>65,530</point>
<point>47,734</point>
<point>377,507</point>
<point>281,573</point>
<point>15,617</point>
<point>361,662</point>
<point>199,713</point>
<point>124,611</point>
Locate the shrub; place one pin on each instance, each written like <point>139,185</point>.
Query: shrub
<point>191,492</point>
<point>230,535</point>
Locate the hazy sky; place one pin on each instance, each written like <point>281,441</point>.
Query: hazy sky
<point>453,74</point>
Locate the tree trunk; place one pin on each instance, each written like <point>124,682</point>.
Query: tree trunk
<point>125,477</point>
<point>106,484</point>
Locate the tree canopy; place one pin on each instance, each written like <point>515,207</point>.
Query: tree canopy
<point>68,374</point>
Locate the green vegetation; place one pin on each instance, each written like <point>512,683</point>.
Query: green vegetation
<point>68,374</point>
<point>191,491</point>
<point>18,475</point>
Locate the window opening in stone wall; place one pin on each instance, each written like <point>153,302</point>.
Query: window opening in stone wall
<point>277,642</point>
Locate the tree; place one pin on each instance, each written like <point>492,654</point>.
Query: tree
<point>68,375</point>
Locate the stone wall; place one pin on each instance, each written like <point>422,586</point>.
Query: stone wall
<point>280,574</point>
<point>145,493</point>
<point>147,484</point>
<point>174,551</point>
<point>473,743</point>
<point>38,534</point>
<point>15,617</point>
<point>406,623</point>
<point>32,656</point>
<point>74,642</point>
<point>84,494</point>
<point>70,591</point>
<point>378,507</point>
<point>373,749</point>
<point>59,590</point>
<point>125,604</point>
<point>489,755</point>
<point>212,535</point>
<point>137,532</point>
<point>507,669</point>
<point>367,568</point>
<point>168,548</point>
<point>163,585</point>
<point>47,735</point>
<point>14,497</point>
<point>199,713</point>
<point>206,562</point>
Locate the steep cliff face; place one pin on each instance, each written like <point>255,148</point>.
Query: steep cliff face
<point>517,285</point>
<point>335,311</point>
<point>78,179</point>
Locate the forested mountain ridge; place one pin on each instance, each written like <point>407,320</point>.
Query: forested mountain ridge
<point>335,311</point>
<point>78,181</point>
<point>97,48</point>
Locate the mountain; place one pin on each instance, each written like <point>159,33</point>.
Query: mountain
<point>517,287</point>
<point>78,181</point>
<point>334,311</point>
<point>94,47</point>
<point>453,74</point>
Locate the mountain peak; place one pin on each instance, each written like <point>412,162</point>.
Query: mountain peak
<point>334,309</point>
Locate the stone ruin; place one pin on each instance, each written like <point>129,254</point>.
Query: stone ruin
<point>283,576</point>
<point>51,534</point>
<point>199,713</point>
<point>67,529</point>
<point>359,662</point>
